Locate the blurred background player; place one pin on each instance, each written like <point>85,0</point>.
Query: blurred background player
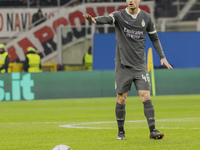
<point>33,61</point>
<point>4,59</point>
<point>131,26</point>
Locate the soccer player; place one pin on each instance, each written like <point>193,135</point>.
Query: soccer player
<point>131,26</point>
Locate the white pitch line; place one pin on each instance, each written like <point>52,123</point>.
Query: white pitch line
<point>80,125</point>
<point>31,122</point>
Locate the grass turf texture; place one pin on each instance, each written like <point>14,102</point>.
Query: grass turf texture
<point>35,125</point>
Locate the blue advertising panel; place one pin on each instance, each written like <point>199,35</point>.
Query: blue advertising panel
<point>182,50</point>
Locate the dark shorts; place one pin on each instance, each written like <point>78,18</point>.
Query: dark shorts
<point>125,75</point>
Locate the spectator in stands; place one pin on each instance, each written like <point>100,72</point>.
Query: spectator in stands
<point>76,2</point>
<point>38,18</point>
<point>23,2</point>
<point>4,59</point>
<point>33,61</point>
<point>98,1</point>
<point>92,1</point>
<point>50,3</point>
<point>36,3</point>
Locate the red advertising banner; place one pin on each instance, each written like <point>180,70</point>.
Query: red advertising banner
<point>44,36</point>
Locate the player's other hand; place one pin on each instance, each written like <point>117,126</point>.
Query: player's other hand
<point>165,62</point>
<point>89,18</point>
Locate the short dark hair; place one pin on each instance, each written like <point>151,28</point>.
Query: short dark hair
<point>39,10</point>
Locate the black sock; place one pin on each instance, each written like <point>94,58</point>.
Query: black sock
<point>152,128</point>
<point>120,115</point>
<point>150,115</point>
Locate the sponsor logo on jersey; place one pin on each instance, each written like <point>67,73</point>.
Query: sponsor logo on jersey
<point>133,34</point>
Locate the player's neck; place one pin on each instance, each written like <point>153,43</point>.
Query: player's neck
<point>133,11</point>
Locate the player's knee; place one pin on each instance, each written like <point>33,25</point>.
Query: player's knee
<point>121,98</point>
<point>145,96</point>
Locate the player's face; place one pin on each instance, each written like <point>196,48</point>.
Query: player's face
<point>133,4</point>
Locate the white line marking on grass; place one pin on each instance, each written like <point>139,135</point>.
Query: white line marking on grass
<point>31,122</point>
<point>81,125</point>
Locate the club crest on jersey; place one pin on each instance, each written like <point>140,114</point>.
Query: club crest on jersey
<point>143,23</point>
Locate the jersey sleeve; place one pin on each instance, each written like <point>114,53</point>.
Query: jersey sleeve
<point>151,30</point>
<point>110,19</point>
<point>113,15</point>
<point>104,20</point>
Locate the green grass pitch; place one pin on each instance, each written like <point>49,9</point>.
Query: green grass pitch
<point>89,124</point>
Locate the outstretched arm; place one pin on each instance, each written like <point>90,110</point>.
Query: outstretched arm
<point>100,19</point>
<point>89,18</point>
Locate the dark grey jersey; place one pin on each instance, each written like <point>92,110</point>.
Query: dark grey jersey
<point>131,36</point>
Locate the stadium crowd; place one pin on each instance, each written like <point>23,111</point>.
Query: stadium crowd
<point>160,5</point>
<point>47,3</point>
